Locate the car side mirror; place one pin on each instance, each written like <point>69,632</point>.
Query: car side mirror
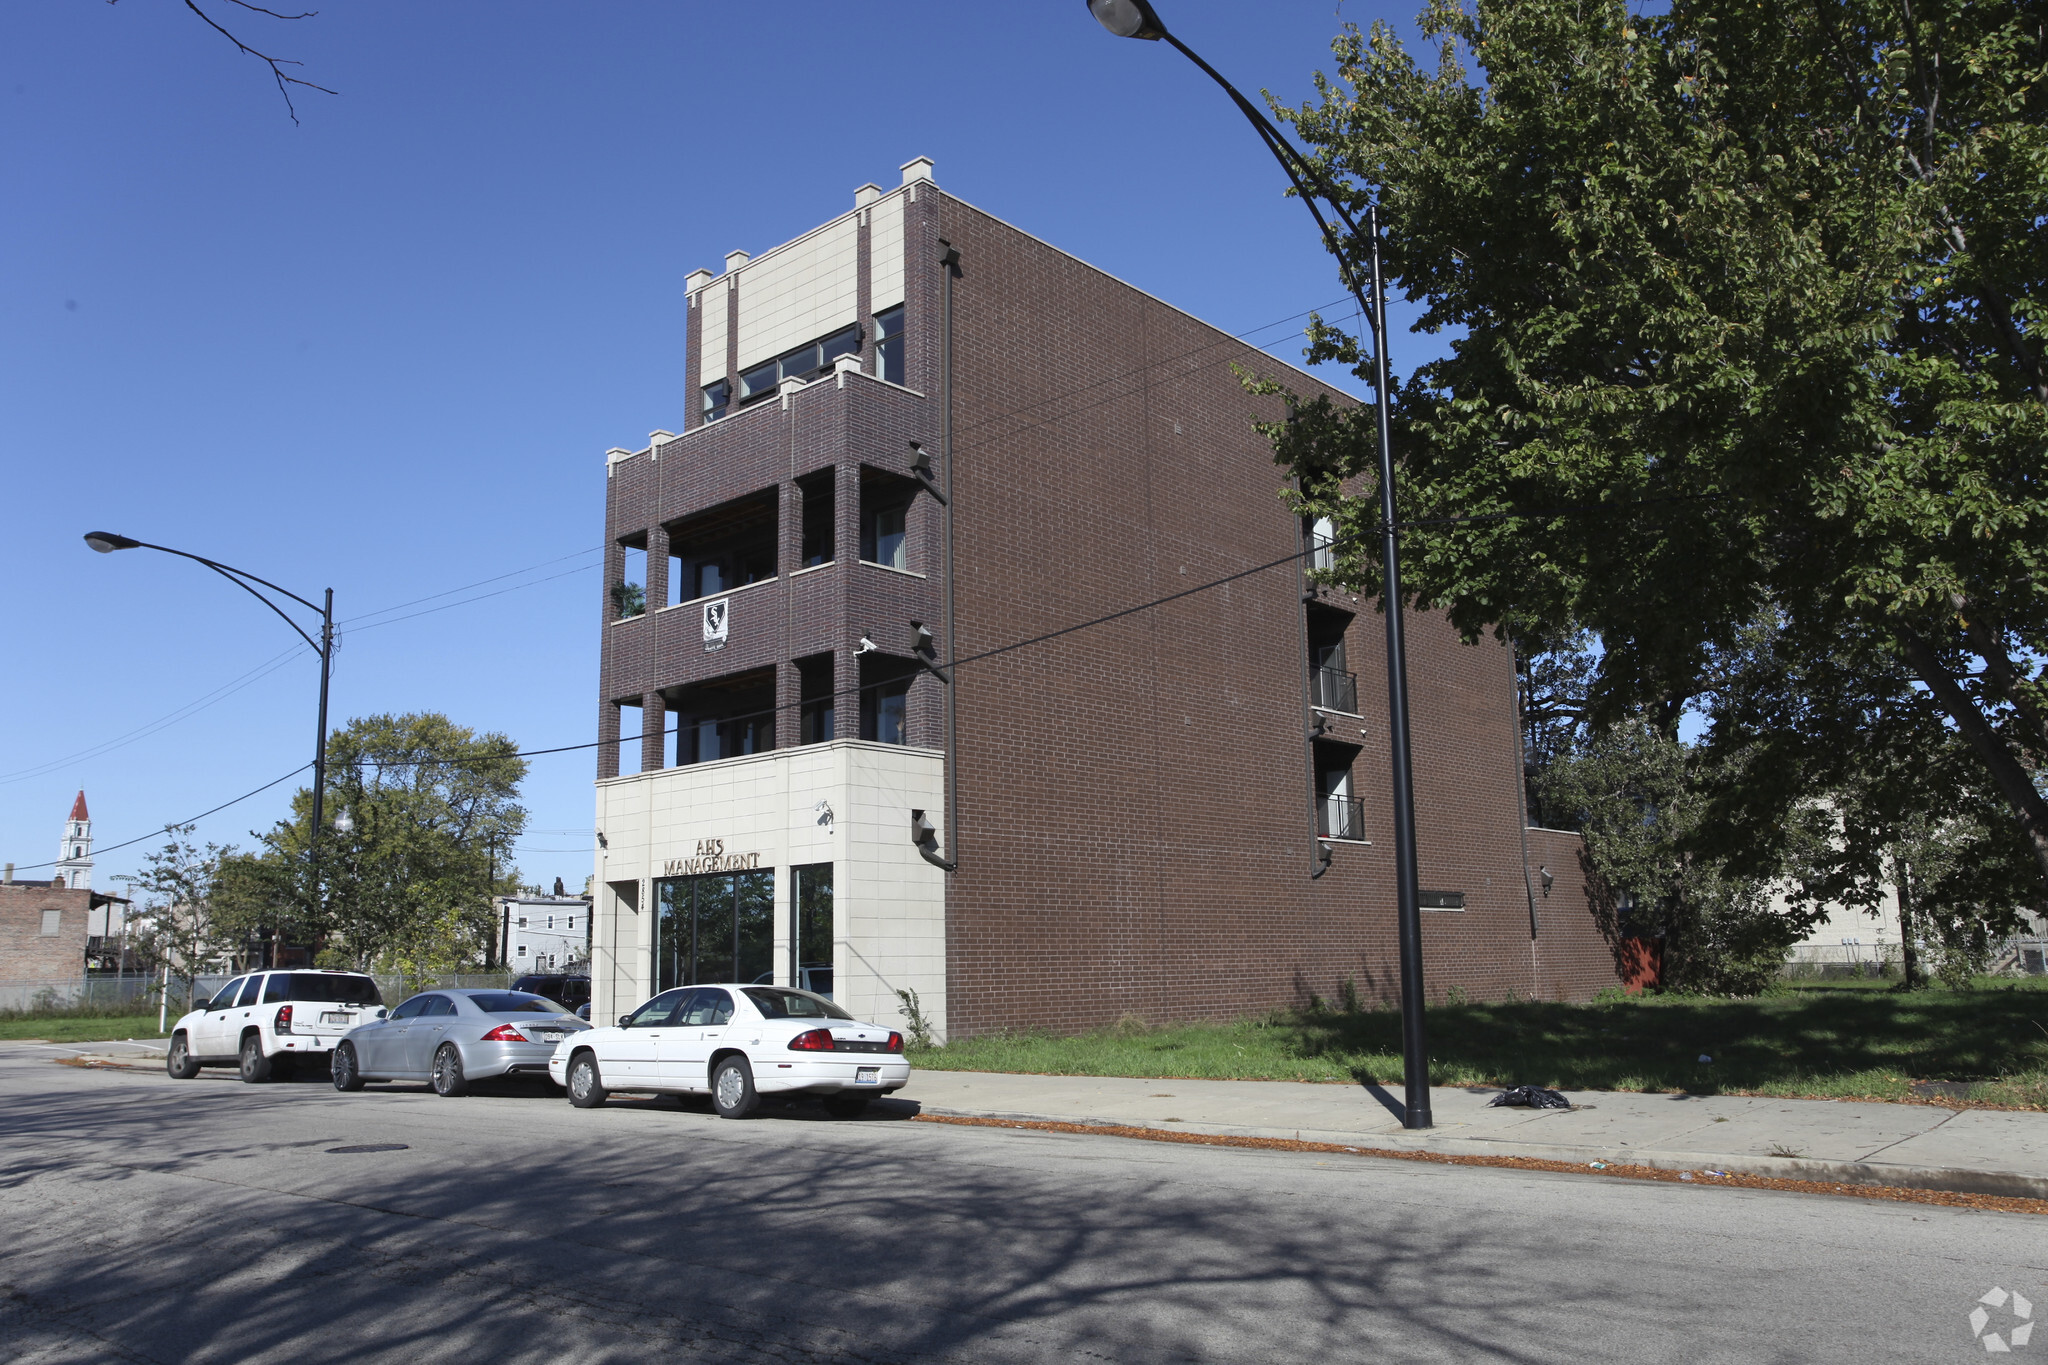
<point>625,1021</point>
<point>382,1014</point>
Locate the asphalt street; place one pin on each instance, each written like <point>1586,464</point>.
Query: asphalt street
<point>152,1220</point>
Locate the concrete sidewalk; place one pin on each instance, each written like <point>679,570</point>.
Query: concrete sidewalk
<point>1915,1146</point>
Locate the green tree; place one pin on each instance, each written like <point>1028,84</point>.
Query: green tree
<point>1632,792</point>
<point>178,932</point>
<point>405,878</point>
<point>1746,304</point>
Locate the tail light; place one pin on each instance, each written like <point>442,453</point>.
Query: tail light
<point>895,1042</point>
<point>505,1033</point>
<point>283,1022</point>
<point>817,1040</point>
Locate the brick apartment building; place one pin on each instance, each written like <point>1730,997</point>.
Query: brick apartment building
<point>1136,807</point>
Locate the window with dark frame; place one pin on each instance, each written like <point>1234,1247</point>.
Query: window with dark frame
<point>889,346</point>
<point>717,398</point>
<point>810,929</point>
<point>806,362</point>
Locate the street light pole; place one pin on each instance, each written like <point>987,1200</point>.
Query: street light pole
<point>106,542</point>
<point>1137,19</point>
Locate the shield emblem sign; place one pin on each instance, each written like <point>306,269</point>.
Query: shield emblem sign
<point>717,617</point>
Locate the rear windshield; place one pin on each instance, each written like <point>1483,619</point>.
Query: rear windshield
<point>339,989</point>
<point>779,1002</point>
<point>515,1002</point>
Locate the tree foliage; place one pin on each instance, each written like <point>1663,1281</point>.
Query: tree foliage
<point>178,930</point>
<point>1635,796</point>
<point>1747,307</point>
<point>406,877</point>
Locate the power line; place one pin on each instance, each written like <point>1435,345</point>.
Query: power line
<point>192,708</point>
<point>191,820</point>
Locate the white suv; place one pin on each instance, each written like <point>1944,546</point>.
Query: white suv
<point>264,1022</point>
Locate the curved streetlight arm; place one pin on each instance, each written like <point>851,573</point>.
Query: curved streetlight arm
<point>235,576</point>
<point>1298,168</point>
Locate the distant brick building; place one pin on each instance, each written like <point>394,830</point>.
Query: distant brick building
<point>1141,803</point>
<point>43,931</point>
<point>49,928</point>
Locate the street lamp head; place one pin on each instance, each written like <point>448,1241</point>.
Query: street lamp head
<point>1128,18</point>
<point>106,542</point>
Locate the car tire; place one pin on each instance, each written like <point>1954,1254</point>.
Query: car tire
<point>846,1106</point>
<point>255,1066</point>
<point>179,1061</point>
<point>448,1080</point>
<point>586,1082</point>
<point>348,1075</point>
<point>732,1088</point>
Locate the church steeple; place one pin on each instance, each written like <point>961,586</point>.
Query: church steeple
<point>74,855</point>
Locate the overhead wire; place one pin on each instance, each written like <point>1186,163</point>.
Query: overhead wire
<point>189,820</point>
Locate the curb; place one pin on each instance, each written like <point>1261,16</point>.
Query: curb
<point>1892,1175</point>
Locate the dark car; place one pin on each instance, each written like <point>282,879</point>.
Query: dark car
<point>564,988</point>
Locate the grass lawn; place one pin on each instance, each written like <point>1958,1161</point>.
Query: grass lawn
<point>74,1029</point>
<point>1833,1040</point>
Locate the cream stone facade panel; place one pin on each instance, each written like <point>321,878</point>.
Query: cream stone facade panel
<point>847,803</point>
<point>711,299</point>
<point>800,292</point>
<point>885,252</point>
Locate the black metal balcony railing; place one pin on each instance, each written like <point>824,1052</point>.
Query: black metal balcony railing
<point>1335,690</point>
<point>1340,817</point>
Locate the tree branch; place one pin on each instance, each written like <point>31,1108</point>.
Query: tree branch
<point>277,64</point>
<point>2014,782</point>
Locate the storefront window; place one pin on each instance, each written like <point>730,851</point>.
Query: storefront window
<point>810,929</point>
<point>715,928</point>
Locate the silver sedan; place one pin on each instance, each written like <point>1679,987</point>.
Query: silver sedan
<point>452,1037</point>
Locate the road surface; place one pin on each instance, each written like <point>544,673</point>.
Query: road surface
<point>152,1220</point>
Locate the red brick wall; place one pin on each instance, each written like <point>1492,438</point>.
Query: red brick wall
<point>1135,829</point>
<point>25,953</point>
<point>1136,832</point>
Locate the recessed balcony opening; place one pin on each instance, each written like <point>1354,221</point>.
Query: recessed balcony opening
<point>629,736</point>
<point>816,704</point>
<point>885,531</point>
<point>885,698</point>
<point>724,718</point>
<point>629,591</point>
<point>727,547</point>
<point>1340,814</point>
<point>818,496</point>
<point>1331,683</point>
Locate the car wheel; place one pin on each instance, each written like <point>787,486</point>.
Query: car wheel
<point>846,1106</point>
<point>347,1074</point>
<point>586,1084</point>
<point>448,1078</point>
<point>255,1066</point>
<point>732,1088</point>
<point>179,1060</point>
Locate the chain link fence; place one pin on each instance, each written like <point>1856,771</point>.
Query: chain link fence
<point>117,995</point>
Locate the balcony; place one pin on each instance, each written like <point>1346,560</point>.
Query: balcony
<point>1334,690</point>
<point>1340,817</point>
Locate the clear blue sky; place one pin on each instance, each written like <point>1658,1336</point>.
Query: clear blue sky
<point>384,350</point>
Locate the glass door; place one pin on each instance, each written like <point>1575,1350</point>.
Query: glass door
<point>714,928</point>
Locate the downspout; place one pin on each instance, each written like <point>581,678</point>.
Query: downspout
<point>1319,853</point>
<point>927,846</point>
<point>1522,787</point>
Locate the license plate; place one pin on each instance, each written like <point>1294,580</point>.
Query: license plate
<point>332,1018</point>
<point>548,1037</point>
<point>867,1075</point>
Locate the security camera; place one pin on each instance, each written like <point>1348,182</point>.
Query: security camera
<point>866,646</point>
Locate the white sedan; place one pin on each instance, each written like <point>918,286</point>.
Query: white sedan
<point>736,1043</point>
